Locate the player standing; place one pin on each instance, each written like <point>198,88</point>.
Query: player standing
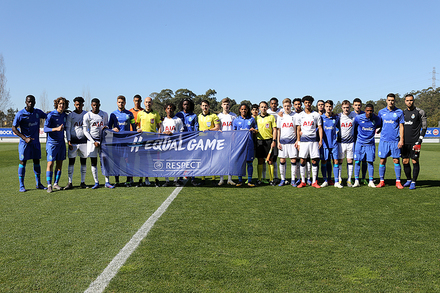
<point>346,146</point>
<point>94,122</point>
<point>208,122</point>
<point>76,141</point>
<point>414,131</point>
<point>391,139</point>
<point>55,146</point>
<point>170,125</point>
<point>246,122</point>
<point>309,122</point>
<point>137,101</point>
<point>286,141</point>
<point>330,146</point>
<point>150,122</point>
<point>190,122</point>
<point>266,142</point>
<point>28,120</point>
<point>226,119</point>
<point>122,120</point>
<point>273,110</point>
<point>357,106</point>
<point>365,126</point>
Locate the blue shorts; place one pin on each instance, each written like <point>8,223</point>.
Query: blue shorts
<point>389,148</point>
<point>55,152</point>
<point>362,151</point>
<point>325,153</point>
<point>29,151</point>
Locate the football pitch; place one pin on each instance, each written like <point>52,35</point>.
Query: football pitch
<point>222,239</point>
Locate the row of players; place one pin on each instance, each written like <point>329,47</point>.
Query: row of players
<point>322,136</point>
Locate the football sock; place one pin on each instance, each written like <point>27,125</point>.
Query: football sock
<point>37,172</point>
<point>21,172</point>
<point>283,170</point>
<point>364,169</point>
<point>49,175</point>
<point>107,179</point>
<point>250,170</point>
<point>382,169</point>
<point>292,171</point>
<point>95,173</point>
<point>260,171</point>
<point>271,169</point>
<point>340,173</point>
<point>324,171</point>
<point>349,170</point>
<point>57,176</point>
<point>83,173</point>
<point>309,169</point>
<point>357,169</point>
<point>167,179</point>
<point>329,170</point>
<point>117,179</point>
<point>336,172</point>
<point>314,172</point>
<point>407,171</point>
<point>371,170</point>
<point>416,170</point>
<point>298,173</point>
<point>221,177</point>
<point>264,170</point>
<point>240,179</point>
<point>275,169</point>
<point>397,170</point>
<point>70,169</point>
<point>212,178</point>
<point>302,170</point>
<point>229,177</point>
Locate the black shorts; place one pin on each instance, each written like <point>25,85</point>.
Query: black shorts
<point>263,148</point>
<point>408,152</point>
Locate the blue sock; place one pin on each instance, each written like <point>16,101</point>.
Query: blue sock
<point>49,175</point>
<point>364,169</point>
<point>57,176</point>
<point>21,172</point>
<point>371,170</point>
<point>250,170</point>
<point>357,169</point>
<point>382,169</point>
<point>397,170</point>
<point>240,179</point>
<point>37,172</point>
<point>324,171</point>
<point>336,172</point>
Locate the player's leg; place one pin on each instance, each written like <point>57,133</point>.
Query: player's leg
<point>83,162</point>
<point>416,171</point>
<point>94,169</point>
<point>293,166</point>
<point>407,171</point>
<point>282,170</point>
<point>304,151</point>
<point>49,175</point>
<point>395,154</point>
<point>358,157</point>
<point>383,154</point>
<point>370,156</point>
<point>323,152</point>
<point>21,174</point>
<point>72,152</point>
<point>58,168</point>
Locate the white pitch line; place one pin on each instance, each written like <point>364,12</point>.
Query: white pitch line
<point>118,261</point>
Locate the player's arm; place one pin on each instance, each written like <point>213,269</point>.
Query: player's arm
<point>274,136</point>
<point>47,127</point>
<point>400,144</point>
<point>278,138</point>
<point>86,128</point>
<point>133,122</point>
<point>217,124</point>
<point>298,136</point>
<point>417,145</point>
<point>68,129</point>
<point>113,122</point>
<point>320,135</point>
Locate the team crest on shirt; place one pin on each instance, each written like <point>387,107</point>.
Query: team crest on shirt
<point>36,115</point>
<point>152,121</point>
<point>267,125</point>
<point>190,118</point>
<point>249,123</point>
<point>127,117</point>
<point>413,116</point>
<point>394,115</point>
<point>334,121</point>
<point>49,158</point>
<point>208,123</point>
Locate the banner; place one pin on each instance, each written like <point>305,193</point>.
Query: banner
<point>7,132</point>
<point>432,132</point>
<point>188,154</point>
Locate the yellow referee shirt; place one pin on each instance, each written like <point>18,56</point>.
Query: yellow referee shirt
<point>149,120</point>
<point>208,121</point>
<point>265,125</point>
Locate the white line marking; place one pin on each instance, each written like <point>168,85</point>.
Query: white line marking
<point>118,261</point>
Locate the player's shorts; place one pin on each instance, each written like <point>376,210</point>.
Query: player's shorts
<point>29,151</point>
<point>364,151</point>
<point>78,150</point>
<point>263,147</point>
<point>288,151</point>
<point>389,148</point>
<point>326,152</point>
<point>346,150</point>
<point>408,152</point>
<point>92,151</point>
<point>56,152</point>
<point>309,148</point>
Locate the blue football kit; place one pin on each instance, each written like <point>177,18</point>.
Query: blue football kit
<point>55,145</point>
<point>122,120</point>
<point>190,121</point>
<point>331,128</point>
<point>241,123</point>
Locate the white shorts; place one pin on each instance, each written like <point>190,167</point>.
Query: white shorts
<point>288,151</point>
<point>78,149</point>
<point>346,150</point>
<point>92,151</point>
<point>309,148</point>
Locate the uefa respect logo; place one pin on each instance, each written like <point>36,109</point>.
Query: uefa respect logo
<point>176,165</point>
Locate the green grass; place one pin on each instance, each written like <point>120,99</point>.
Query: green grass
<point>223,239</point>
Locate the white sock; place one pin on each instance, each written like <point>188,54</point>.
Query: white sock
<point>292,171</point>
<point>314,173</point>
<point>340,173</point>
<point>221,178</point>
<point>83,173</point>
<point>309,169</point>
<point>106,179</point>
<point>350,171</point>
<point>298,173</point>
<point>70,169</point>
<point>95,173</point>
<point>229,177</point>
<point>302,170</point>
<point>283,171</point>
<point>167,179</point>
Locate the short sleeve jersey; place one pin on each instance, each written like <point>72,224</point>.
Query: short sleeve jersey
<point>135,113</point>
<point>53,120</point>
<point>287,126</point>
<point>266,125</point>
<point>241,123</point>
<point>391,119</point>
<point>148,120</point>
<point>415,120</point>
<point>122,120</point>
<point>94,124</point>
<point>309,124</point>
<point>347,131</point>
<point>190,121</point>
<point>74,128</point>
<point>330,127</point>
<point>29,123</point>
<point>366,128</point>
<point>208,121</point>
<point>226,120</point>
<point>173,125</point>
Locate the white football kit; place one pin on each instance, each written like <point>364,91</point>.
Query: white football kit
<point>308,141</point>
<point>75,134</point>
<point>93,124</point>
<point>287,126</point>
<point>226,120</point>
